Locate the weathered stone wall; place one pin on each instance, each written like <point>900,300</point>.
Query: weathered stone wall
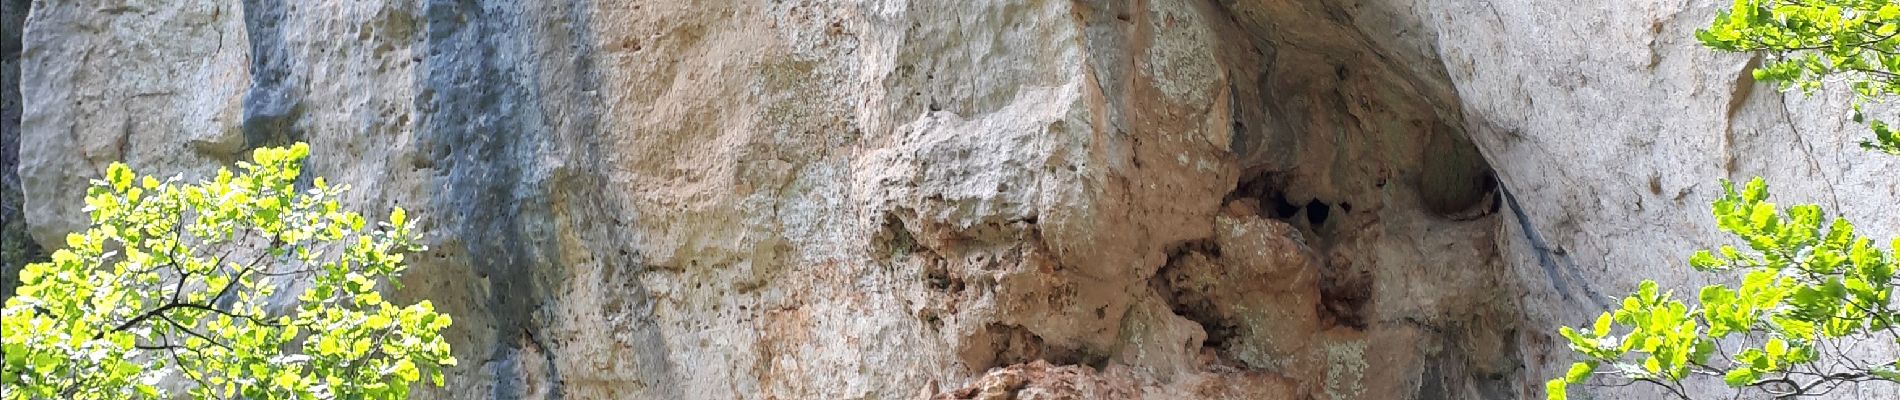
<point>898,199</point>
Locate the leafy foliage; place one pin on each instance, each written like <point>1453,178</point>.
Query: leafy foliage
<point>183,280</point>
<point>1810,285</point>
<point>1811,288</point>
<point>1816,40</point>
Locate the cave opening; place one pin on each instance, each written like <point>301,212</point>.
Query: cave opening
<point>1316,212</point>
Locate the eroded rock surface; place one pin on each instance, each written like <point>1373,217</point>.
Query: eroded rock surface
<point>1032,199</point>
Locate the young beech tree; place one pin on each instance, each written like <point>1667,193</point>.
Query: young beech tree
<point>1812,42</point>
<point>190,286</point>
<point>1812,292</point>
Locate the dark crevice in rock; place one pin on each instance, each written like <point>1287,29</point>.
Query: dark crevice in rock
<point>1281,209</point>
<point>1316,212</point>
<point>1193,303</point>
<point>1264,192</point>
<point>274,103</point>
<point>895,241</point>
<point>1012,344</point>
<point>939,278</point>
<point>16,248</point>
<point>896,246</point>
<point>1456,181</point>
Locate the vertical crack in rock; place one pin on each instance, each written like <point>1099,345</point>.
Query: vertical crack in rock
<point>16,248</point>
<point>274,104</point>
<point>1556,263</point>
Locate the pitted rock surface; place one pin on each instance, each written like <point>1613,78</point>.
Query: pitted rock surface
<point>1021,199</point>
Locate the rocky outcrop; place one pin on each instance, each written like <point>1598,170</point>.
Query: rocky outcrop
<point>975,199</point>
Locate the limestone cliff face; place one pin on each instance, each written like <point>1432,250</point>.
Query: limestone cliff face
<point>1386,199</point>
